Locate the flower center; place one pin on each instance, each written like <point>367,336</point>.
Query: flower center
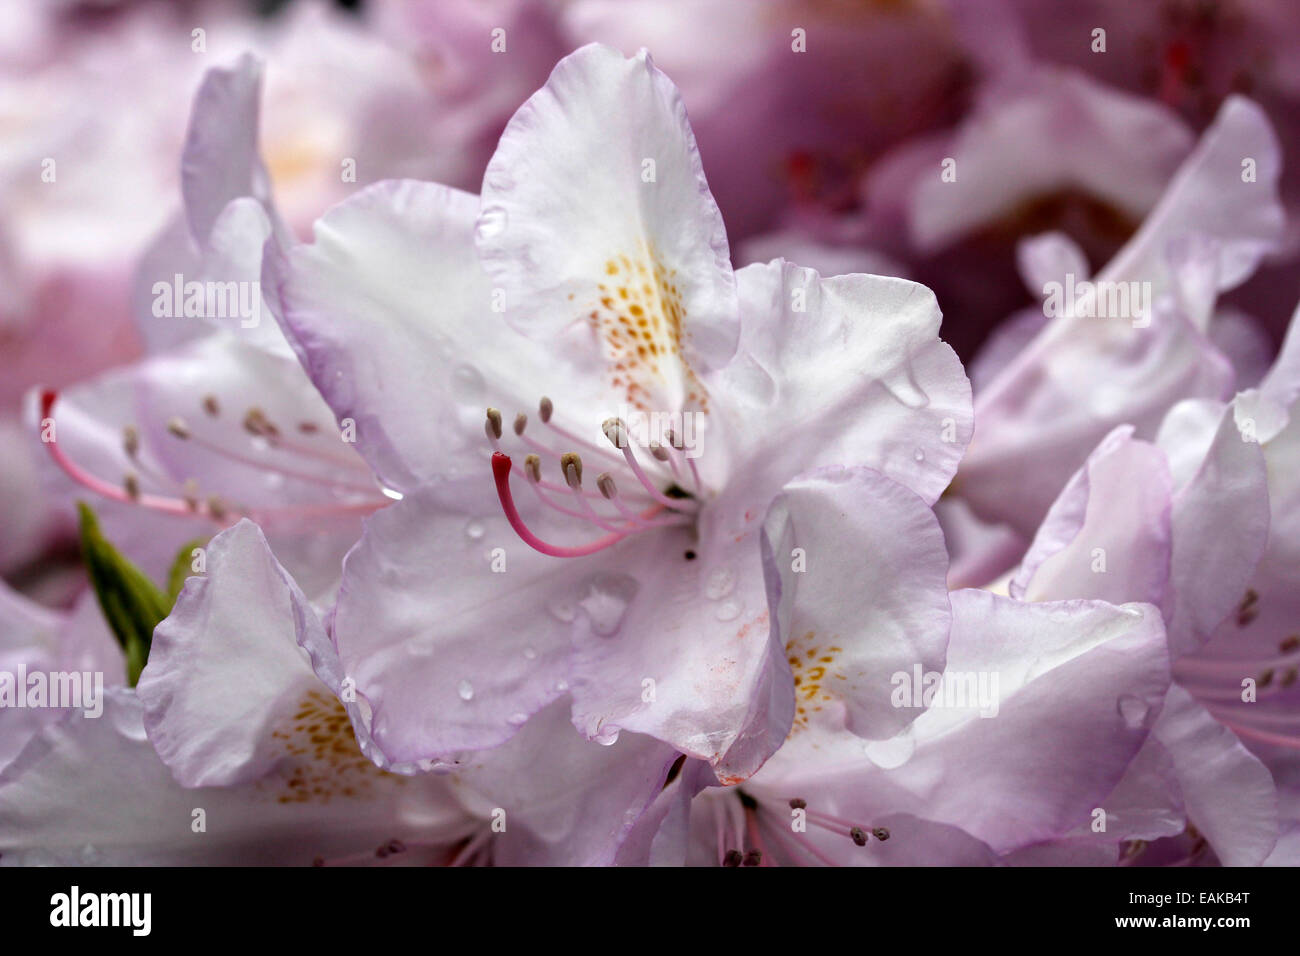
<point>657,498</point>
<point>754,833</point>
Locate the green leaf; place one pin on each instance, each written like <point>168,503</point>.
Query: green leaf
<point>132,604</point>
<point>180,569</point>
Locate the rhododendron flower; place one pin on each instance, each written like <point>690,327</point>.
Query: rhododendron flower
<point>639,590</point>
<point>954,788</point>
<point>1207,234</point>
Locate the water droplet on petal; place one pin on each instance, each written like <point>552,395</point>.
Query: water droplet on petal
<point>530,652</point>
<point>491,222</point>
<point>607,602</point>
<point>919,455</point>
<point>720,583</point>
<point>467,385</point>
<point>518,719</point>
<point>891,753</point>
<point>1134,710</point>
<point>728,611</point>
<point>562,611</point>
<point>465,690</point>
<point>904,388</point>
<point>474,529</point>
<point>561,685</point>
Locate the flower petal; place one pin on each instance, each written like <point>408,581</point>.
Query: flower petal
<point>92,791</point>
<point>448,653</point>
<point>841,371</point>
<point>870,599</point>
<point>1229,793</point>
<point>635,242</point>
<point>224,668</point>
<point>1107,536</point>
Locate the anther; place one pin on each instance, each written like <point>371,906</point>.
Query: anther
<point>571,465</point>
<point>211,405</point>
<point>544,409</point>
<point>658,451</point>
<point>521,422</point>
<point>753,858</point>
<point>616,432</point>
<point>494,422</point>
<point>131,441</point>
<point>257,424</point>
<point>798,804</point>
<point>216,507</point>
<point>859,836</point>
<point>733,858</point>
<point>131,485</point>
<point>178,427</point>
<point>605,482</point>
<point>533,468</point>
<point>880,833</point>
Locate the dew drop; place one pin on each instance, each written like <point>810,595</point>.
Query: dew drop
<point>728,611</point>
<point>562,611</point>
<point>919,455</point>
<point>561,685</point>
<point>491,222</point>
<point>474,529</point>
<point>465,690</point>
<point>607,602</point>
<point>518,719</point>
<point>891,753</point>
<point>467,385</point>
<point>720,583</point>
<point>530,652</point>
<point>1134,710</point>
<point>905,390</point>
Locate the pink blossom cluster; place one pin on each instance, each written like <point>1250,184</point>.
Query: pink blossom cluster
<point>616,432</point>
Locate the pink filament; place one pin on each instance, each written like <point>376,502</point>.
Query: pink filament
<point>501,474</point>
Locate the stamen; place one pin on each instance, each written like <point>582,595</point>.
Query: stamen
<point>609,490</point>
<point>257,424</point>
<point>178,428</point>
<point>95,483</point>
<point>188,503</point>
<point>616,432</point>
<point>676,443</point>
<point>521,422</point>
<point>494,422</point>
<point>131,441</point>
<point>501,475</point>
<point>571,465</point>
<point>545,409</point>
<point>211,406</point>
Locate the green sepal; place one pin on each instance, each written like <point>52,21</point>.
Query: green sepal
<point>132,604</point>
<point>180,570</point>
